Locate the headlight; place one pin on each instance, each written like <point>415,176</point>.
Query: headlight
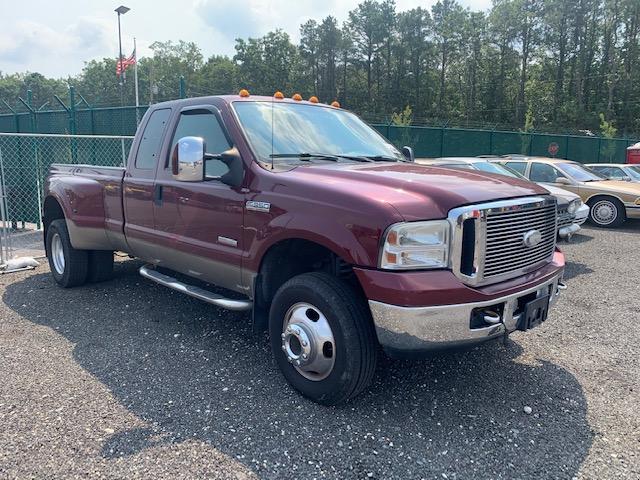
<point>574,205</point>
<point>416,245</point>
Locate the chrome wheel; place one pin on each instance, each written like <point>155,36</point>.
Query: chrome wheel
<point>57,254</point>
<point>604,212</point>
<point>307,341</point>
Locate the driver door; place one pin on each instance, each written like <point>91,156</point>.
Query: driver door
<point>199,224</point>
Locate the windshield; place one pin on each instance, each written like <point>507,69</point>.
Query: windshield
<point>633,172</point>
<point>579,173</point>
<point>496,168</point>
<point>309,129</point>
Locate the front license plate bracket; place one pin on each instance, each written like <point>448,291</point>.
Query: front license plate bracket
<point>535,312</point>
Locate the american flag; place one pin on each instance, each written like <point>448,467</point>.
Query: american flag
<point>122,65</point>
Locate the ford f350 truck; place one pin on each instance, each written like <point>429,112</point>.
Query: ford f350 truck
<point>333,239</point>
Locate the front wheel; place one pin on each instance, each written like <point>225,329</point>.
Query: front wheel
<point>323,338</point>
<point>68,265</point>
<point>607,212</point>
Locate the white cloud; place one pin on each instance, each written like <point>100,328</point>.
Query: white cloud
<point>56,38</point>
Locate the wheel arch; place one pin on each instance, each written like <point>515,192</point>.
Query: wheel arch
<point>288,258</point>
<point>52,209</point>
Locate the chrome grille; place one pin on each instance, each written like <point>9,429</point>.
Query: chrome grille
<point>505,247</point>
<point>565,219</point>
<point>497,250</point>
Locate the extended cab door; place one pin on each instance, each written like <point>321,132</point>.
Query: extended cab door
<point>199,224</point>
<point>138,185</point>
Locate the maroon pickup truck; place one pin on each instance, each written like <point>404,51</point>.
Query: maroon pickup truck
<point>334,240</point>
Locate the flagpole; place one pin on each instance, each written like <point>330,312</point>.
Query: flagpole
<point>135,74</point>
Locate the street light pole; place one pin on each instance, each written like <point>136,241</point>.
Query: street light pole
<point>121,10</point>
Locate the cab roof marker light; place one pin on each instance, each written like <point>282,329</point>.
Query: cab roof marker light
<point>244,93</point>
<point>314,99</point>
<point>297,97</point>
<point>335,104</point>
<point>278,95</point>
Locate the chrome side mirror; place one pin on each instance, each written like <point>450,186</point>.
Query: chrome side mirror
<point>563,181</point>
<point>187,160</point>
<point>408,153</point>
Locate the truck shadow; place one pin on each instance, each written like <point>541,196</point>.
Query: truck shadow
<point>191,371</point>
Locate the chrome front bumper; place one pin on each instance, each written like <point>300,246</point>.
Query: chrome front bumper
<point>567,232</point>
<point>407,330</point>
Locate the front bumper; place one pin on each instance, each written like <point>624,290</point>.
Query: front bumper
<point>567,232</point>
<point>414,330</point>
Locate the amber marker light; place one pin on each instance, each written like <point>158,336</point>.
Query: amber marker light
<point>278,95</point>
<point>297,97</point>
<point>335,104</point>
<point>244,93</point>
<point>314,99</point>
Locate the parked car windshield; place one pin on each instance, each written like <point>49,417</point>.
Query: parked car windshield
<point>309,129</point>
<point>496,168</point>
<point>579,173</point>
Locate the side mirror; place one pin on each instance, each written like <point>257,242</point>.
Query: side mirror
<point>187,160</point>
<point>563,181</point>
<point>233,161</point>
<point>408,153</point>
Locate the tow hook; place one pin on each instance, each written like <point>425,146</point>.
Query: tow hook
<point>491,317</point>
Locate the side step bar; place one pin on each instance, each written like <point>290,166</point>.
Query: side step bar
<point>149,272</point>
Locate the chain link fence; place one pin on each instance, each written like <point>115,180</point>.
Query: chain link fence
<point>24,163</point>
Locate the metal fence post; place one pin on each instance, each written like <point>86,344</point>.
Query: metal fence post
<point>182,87</point>
<point>72,110</point>
<point>491,141</point>
<point>442,139</point>
<point>599,148</point>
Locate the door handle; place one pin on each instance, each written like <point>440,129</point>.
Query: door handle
<point>157,195</point>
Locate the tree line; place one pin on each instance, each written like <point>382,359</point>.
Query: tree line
<point>561,65</point>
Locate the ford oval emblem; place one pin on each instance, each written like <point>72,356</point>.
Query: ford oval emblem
<point>532,238</point>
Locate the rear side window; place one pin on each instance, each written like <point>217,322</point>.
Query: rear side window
<point>519,167</point>
<point>202,123</point>
<point>151,141</point>
<point>544,173</point>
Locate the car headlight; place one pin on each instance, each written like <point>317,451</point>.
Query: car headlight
<point>416,245</point>
<point>574,205</point>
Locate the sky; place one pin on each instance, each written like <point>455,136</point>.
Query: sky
<point>56,37</point>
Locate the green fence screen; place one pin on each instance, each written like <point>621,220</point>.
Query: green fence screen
<point>426,141</point>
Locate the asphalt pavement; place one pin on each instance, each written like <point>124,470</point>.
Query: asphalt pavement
<point>127,379</point>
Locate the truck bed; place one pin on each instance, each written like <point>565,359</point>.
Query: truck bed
<point>95,194</point>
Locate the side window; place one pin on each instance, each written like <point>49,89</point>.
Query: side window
<point>202,123</point>
<point>151,141</point>
<point>616,173</point>
<point>545,173</point>
<point>519,167</point>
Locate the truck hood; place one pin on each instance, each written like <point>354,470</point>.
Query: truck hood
<point>417,192</point>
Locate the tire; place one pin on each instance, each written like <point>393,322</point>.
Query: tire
<point>606,212</point>
<point>100,265</point>
<point>68,266</point>
<point>340,368</point>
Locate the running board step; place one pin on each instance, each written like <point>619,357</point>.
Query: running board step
<point>149,272</point>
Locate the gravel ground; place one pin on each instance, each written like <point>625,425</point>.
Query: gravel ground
<point>127,379</point>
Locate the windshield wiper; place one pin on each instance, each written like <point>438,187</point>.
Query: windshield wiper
<point>324,156</point>
<point>382,158</point>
